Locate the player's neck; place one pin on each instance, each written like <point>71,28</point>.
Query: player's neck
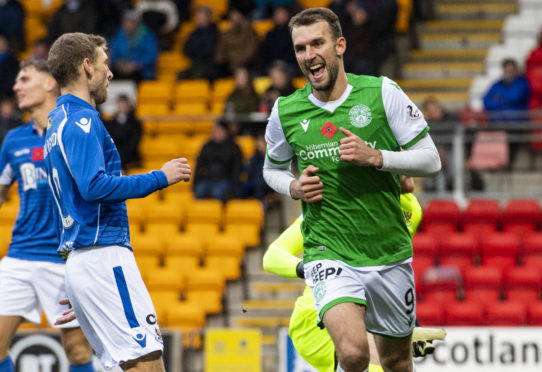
<point>336,92</point>
<point>40,114</point>
<point>80,91</point>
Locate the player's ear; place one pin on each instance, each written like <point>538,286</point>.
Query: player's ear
<point>88,68</point>
<point>340,46</point>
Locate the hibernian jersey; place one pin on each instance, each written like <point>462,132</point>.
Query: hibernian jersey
<point>34,235</point>
<point>359,221</point>
<point>84,173</point>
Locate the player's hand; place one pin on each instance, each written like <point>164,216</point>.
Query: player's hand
<point>422,348</point>
<point>308,186</point>
<point>422,340</point>
<point>68,315</point>
<point>354,150</point>
<point>177,170</point>
<point>407,184</point>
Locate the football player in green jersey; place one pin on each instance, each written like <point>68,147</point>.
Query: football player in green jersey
<point>346,133</point>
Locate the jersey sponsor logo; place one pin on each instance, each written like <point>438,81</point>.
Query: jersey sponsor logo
<point>141,339</point>
<point>305,124</point>
<point>37,154</point>
<point>21,152</point>
<point>84,124</point>
<point>32,176</point>
<point>413,112</point>
<point>328,130</point>
<point>323,150</point>
<point>320,273</point>
<point>360,116</point>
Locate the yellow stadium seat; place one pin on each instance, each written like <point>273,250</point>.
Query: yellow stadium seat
<point>217,107</point>
<point>261,84</point>
<point>146,109</point>
<point>172,61</point>
<point>249,233</point>
<point>205,287</point>
<point>193,147</point>
<point>299,82</point>
<point>314,3</point>
<point>184,253</point>
<point>9,213</point>
<point>34,29</point>
<point>164,278</point>
<point>219,7</point>
<point>263,26</point>
<point>158,91</point>
<point>205,211</point>
<point>167,128</point>
<point>224,254</point>
<point>202,128</point>
<point>191,108</point>
<point>161,148</point>
<point>206,230</point>
<point>148,244</point>
<point>189,317</point>
<point>247,145</point>
<point>163,300</point>
<point>195,90</point>
<point>40,8</point>
<point>162,229</point>
<point>222,88</point>
<point>165,212</point>
<point>244,211</point>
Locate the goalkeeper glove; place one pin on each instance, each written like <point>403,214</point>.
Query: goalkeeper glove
<point>299,270</point>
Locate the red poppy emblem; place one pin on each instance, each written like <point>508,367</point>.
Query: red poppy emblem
<point>37,154</point>
<point>328,130</point>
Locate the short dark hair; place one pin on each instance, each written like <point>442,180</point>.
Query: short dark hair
<point>310,16</point>
<point>509,61</point>
<point>39,64</point>
<point>69,51</point>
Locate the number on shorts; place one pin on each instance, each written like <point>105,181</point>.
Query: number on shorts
<point>409,301</point>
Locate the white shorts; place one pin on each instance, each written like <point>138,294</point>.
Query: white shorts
<point>388,293</point>
<point>112,304</point>
<point>27,287</point>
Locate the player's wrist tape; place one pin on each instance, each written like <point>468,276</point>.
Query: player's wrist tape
<point>299,270</point>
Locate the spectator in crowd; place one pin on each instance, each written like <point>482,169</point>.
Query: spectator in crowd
<point>281,85</point>
<point>40,51</point>
<point>10,117</point>
<point>237,46</point>
<point>277,44</point>
<point>12,22</point>
<point>265,8</point>
<point>255,186</point>
<point>126,131</point>
<point>218,167</point>
<point>111,12</point>
<point>161,17</point>
<point>73,16</point>
<point>243,99</point>
<point>134,50</point>
<point>533,68</point>
<point>508,98</point>
<point>200,47</point>
<point>9,67</point>
<point>535,56</point>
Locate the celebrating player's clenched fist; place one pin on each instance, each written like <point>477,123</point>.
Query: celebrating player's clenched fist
<point>177,170</point>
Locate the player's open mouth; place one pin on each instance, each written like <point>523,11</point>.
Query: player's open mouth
<point>317,71</point>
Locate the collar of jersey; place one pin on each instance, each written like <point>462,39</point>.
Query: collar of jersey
<point>70,98</point>
<point>331,106</point>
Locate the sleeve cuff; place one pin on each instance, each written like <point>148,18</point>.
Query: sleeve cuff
<point>161,178</point>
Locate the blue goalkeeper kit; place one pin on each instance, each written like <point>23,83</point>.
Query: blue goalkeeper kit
<point>34,236</point>
<point>85,176</point>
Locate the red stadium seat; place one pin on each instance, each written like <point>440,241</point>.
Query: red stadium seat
<point>465,313</point>
<point>441,283</point>
<point>523,284</point>
<point>441,214</point>
<point>500,249</point>
<point>507,313</point>
<point>425,244</point>
<point>534,314</point>
<point>459,249</point>
<point>532,250</point>
<point>521,215</point>
<point>482,211</point>
<point>430,313</point>
<point>483,283</point>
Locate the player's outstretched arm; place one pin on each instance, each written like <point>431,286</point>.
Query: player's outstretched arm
<point>177,170</point>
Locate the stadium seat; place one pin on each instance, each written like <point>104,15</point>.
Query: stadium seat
<point>222,88</point>
<point>164,212</point>
<point>249,233</point>
<point>521,216</point>
<point>489,151</point>
<point>244,211</point>
<point>523,284</point>
<point>191,108</point>
<point>420,264</point>
<point>483,283</point>
<point>441,214</point>
<point>184,253</point>
<point>247,146</point>
<point>189,317</point>
<point>171,62</point>
<point>192,91</point>
<point>149,109</point>
<point>430,313</point>
<point>299,82</point>
<point>205,286</point>
<point>531,254</point>
<point>161,148</point>
<point>9,213</point>
<point>162,229</point>
<point>262,26</point>
<point>500,249</point>
<point>157,91</point>
<point>534,314</point>
<point>208,211</point>
<point>460,249</point>
<point>163,300</point>
<point>441,283</point>
<point>465,313</point>
<point>224,254</point>
<point>425,244</point>
<point>507,313</point>
<point>480,212</point>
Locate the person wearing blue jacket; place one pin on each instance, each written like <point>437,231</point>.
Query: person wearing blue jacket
<point>134,49</point>
<point>103,283</point>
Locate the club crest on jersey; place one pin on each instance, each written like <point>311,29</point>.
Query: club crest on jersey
<point>328,130</point>
<point>360,116</point>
